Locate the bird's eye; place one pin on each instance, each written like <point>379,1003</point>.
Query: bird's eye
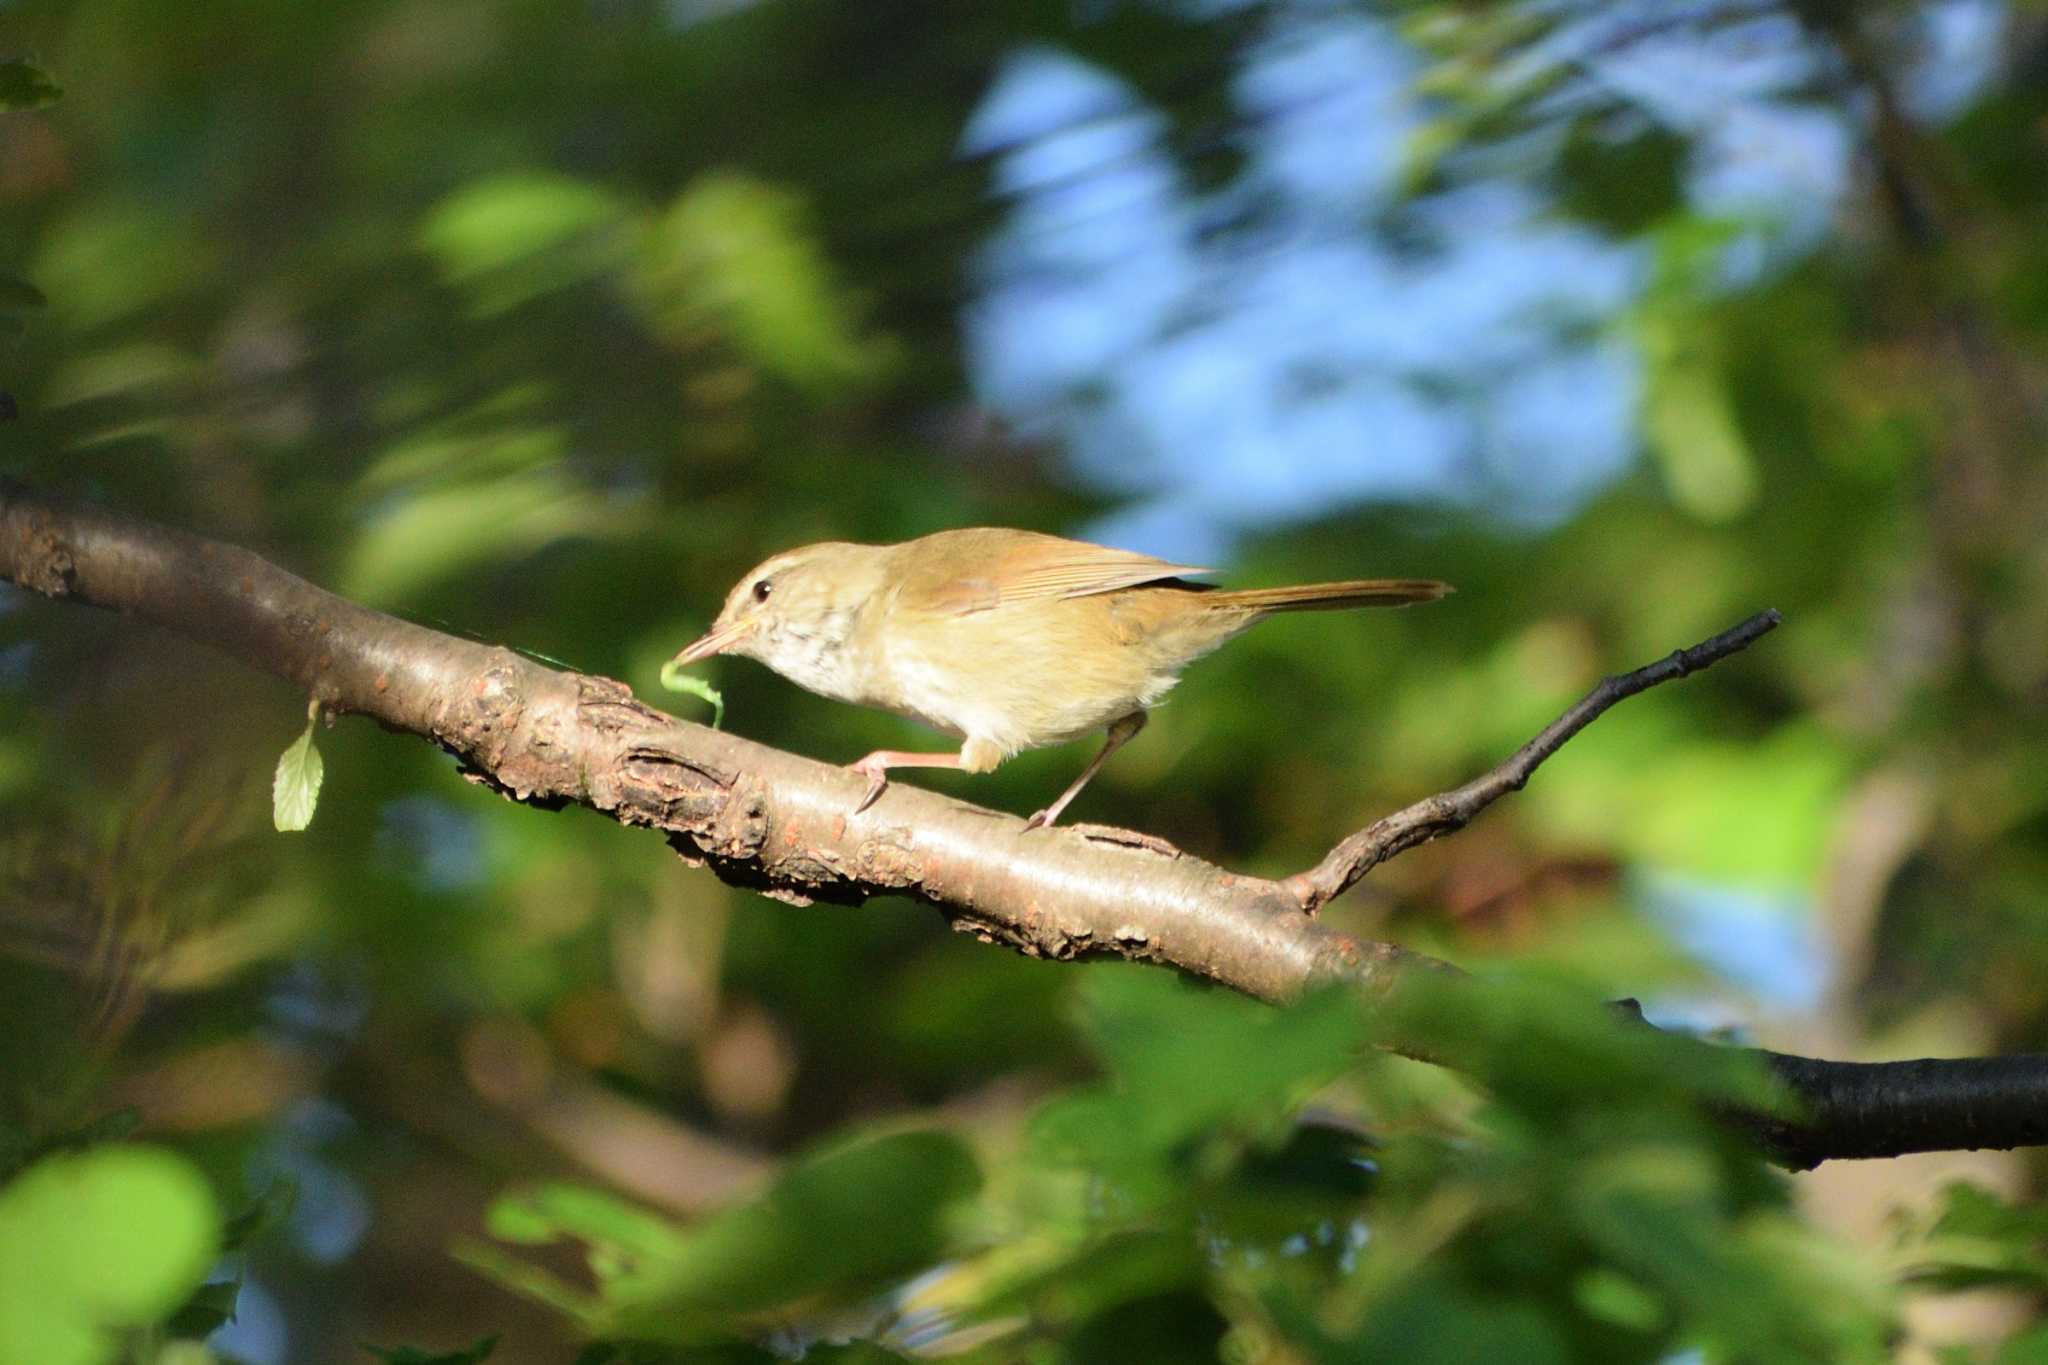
<point>761,590</point>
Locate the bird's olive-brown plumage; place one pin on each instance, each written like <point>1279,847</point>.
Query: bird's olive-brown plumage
<point>1009,639</point>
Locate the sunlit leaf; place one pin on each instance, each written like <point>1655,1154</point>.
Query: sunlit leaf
<point>295,790</point>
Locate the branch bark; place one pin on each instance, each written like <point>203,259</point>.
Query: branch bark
<point>783,825</point>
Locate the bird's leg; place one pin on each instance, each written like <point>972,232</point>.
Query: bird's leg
<point>975,756</point>
<point>1121,732</point>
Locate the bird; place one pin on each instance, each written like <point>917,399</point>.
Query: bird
<point>1007,639</point>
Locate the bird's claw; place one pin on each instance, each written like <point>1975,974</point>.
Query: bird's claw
<point>1040,819</point>
<point>878,780</point>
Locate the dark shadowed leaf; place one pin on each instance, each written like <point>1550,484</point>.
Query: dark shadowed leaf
<point>18,295</point>
<point>23,86</point>
<point>473,1354</point>
<point>211,1307</point>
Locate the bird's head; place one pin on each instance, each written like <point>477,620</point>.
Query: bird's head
<point>794,610</point>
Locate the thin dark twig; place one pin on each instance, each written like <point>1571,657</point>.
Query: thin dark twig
<point>1450,811</point>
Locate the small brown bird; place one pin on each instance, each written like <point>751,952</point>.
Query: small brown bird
<point>1009,639</point>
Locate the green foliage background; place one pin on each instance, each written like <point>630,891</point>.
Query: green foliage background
<point>541,322</point>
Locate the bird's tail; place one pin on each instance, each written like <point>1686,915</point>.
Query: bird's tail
<point>1357,592</point>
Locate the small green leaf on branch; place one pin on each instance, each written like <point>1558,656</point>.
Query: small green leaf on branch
<point>295,791</point>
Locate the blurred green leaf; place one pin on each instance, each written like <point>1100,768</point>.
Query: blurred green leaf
<point>1182,1057</point>
<point>1690,423</point>
<point>835,1222</point>
<point>502,437</point>
<point>839,1219</point>
<point>1200,1081</point>
<point>1979,1241</point>
<point>115,259</point>
<point>1075,1280</point>
<point>1440,1323</point>
<point>739,257</point>
<point>1594,1062</point>
<point>489,224</point>
<point>143,368</point>
<point>1200,1046</point>
<point>603,1220</point>
<point>97,1242</point>
<point>1756,813</point>
<point>509,238</point>
<point>425,537</point>
<point>1619,1299</point>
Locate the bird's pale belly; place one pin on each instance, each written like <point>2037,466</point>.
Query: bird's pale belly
<point>1020,697</point>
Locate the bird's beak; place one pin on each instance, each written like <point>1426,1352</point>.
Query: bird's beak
<point>716,641</point>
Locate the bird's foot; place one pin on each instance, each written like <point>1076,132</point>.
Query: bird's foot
<point>1043,819</point>
<point>877,775</point>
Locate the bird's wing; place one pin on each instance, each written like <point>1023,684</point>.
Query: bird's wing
<point>1020,567</point>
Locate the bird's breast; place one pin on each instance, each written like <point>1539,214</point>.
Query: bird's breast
<point>821,656</point>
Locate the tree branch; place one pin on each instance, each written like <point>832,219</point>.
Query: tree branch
<point>1448,812</point>
<point>783,825</point>
<point>1936,1104</point>
<point>759,817</point>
